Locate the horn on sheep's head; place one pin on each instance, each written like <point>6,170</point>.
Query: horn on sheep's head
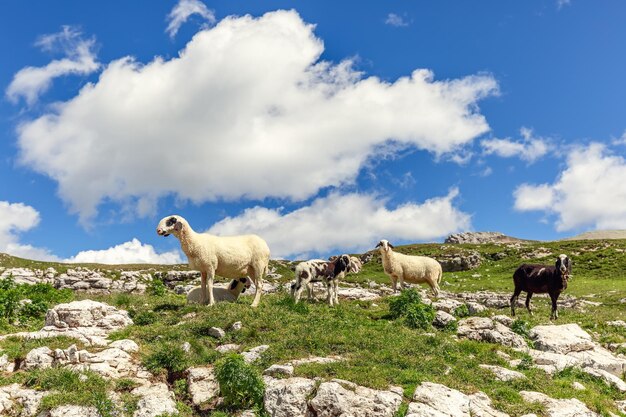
<point>170,224</point>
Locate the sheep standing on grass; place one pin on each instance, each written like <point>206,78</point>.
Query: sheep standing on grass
<point>413,269</point>
<point>318,270</point>
<point>226,256</point>
<point>230,294</point>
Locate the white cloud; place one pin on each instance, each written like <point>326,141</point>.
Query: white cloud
<point>18,218</point>
<point>80,59</point>
<point>131,252</point>
<point>621,140</point>
<point>346,223</point>
<point>183,10</point>
<point>590,191</point>
<point>529,149</point>
<point>396,20</point>
<point>246,111</point>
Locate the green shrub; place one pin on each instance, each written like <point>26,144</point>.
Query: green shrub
<point>461,311</point>
<point>157,287</point>
<point>41,296</point>
<point>410,306</point>
<point>241,384</point>
<point>168,357</point>
<point>521,327</point>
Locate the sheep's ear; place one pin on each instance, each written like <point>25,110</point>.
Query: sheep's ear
<point>379,244</point>
<point>233,284</point>
<point>178,226</point>
<point>390,245</point>
<point>244,290</point>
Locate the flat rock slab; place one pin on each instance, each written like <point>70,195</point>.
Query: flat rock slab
<point>343,398</point>
<point>486,330</point>
<point>607,377</point>
<point>601,358</point>
<point>559,408</point>
<point>436,400</point>
<point>564,338</point>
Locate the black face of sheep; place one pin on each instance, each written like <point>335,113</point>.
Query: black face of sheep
<point>341,264</point>
<point>542,279</point>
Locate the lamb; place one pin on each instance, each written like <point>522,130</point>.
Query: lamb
<point>226,256</point>
<point>318,270</point>
<point>354,266</point>
<point>542,279</point>
<point>230,294</point>
<point>413,269</point>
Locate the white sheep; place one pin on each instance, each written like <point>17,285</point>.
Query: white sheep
<point>413,269</point>
<point>230,294</point>
<point>226,256</point>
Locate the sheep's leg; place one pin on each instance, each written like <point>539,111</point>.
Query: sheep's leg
<point>203,294</point>
<point>257,278</point>
<point>434,287</point>
<point>336,290</point>
<point>554,314</point>
<point>401,282</point>
<point>394,283</point>
<point>209,287</point>
<point>329,290</point>
<point>528,297</point>
<point>309,289</point>
<point>516,294</point>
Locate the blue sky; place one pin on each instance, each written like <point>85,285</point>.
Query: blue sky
<point>321,126</point>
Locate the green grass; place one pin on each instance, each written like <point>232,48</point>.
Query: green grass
<point>379,350</point>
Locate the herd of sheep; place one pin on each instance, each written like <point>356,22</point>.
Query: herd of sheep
<point>246,258</point>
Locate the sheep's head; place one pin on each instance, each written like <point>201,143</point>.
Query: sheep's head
<point>564,265</point>
<point>384,245</point>
<point>242,284</point>
<point>170,224</point>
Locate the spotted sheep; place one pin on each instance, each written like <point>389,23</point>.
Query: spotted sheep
<point>542,279</point>
<point>318,270</point>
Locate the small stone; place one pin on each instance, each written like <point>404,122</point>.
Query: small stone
<point>279,370</point>
<point>578,386</point>
<point>230,347</point>
<point>186,347</point>
<point>442,319</point>
<point>236,326</point>
<point>254,354</point>
<point>217,332</point>
<point>503,374</point>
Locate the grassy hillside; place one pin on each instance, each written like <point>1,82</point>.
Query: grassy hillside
<point>379,350</point>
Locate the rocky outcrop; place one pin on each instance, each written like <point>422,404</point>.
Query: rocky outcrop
<point>486,330</point>
<point>460,261</point>
<point>559,408</point>
<point>88,321</point>
<point>562,339</point>
<point>480,237</point>
<point>343,398</point>
<point>436,400</point>
<point>202,385</point>
<point>14,397</point>
<point>287,397</point>
<point>154,400</point>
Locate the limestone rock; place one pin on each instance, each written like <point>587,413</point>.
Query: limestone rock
<point>485,329</point>
<point>442,319</point>
<point>342,398</point>
<point>601,358</point>
<point>287,397</point>
<point>279,370</point>
<point>315,359</point>
<point>559,408</point>
<point>203,385</point>
<point>564,338</point>
<point>448,305</point>
<point>73,411</point>
<point>39,358</point>
<point>127,345</point>
<point>607,377</point>
<point>254,354</point>
<point>230,347</point>
<point>436,400</point>
<point>503,374</point>
<point>154,400</point>
<point>217,333</point>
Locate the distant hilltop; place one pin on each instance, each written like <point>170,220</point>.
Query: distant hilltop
<point>482,237</point>
<point>599,234</point>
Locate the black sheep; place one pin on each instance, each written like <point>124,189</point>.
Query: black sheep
<point>542,279</point>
